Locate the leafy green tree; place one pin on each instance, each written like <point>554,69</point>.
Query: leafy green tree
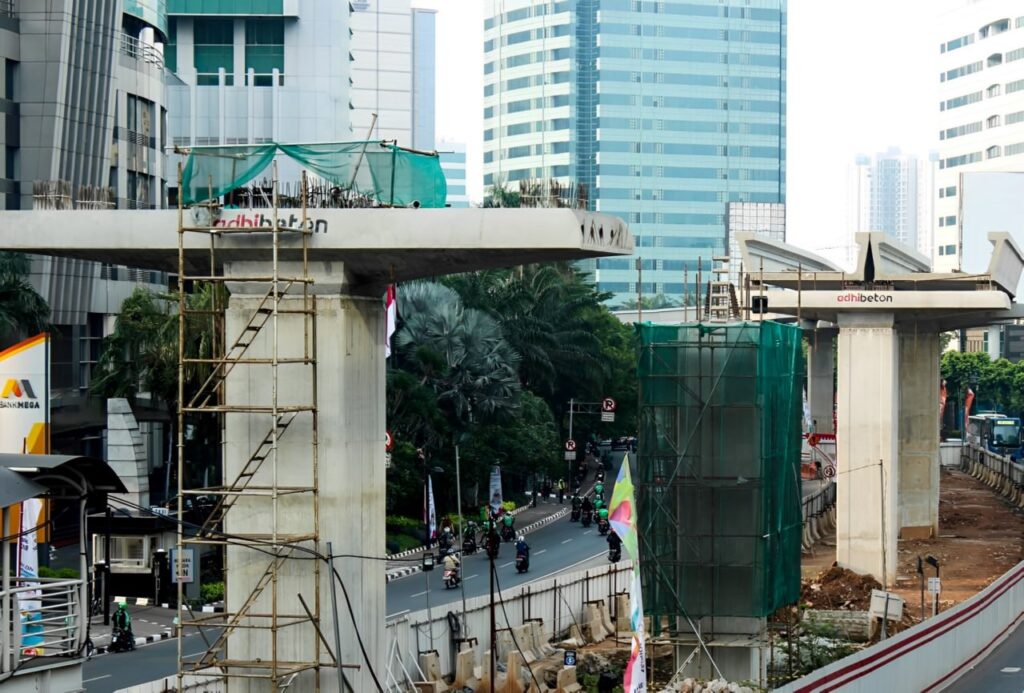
<point>23,312</point>
<point>141,355</point>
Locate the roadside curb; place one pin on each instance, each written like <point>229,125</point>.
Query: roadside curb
<point>397,573</point>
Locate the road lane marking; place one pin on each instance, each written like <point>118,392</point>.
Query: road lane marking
<point>540,552</point>
<point>418,594</point>
<point>397,613</point>
<point>97,678</point>
<point>589,531</point>
<point>1010,670</point>
<point>567,541</point>
<point>506,565</point>
<point>472,576</point>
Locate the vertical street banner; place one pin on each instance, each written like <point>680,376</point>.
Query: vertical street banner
<point>431,511</point>
<point>622,516</point>
<point>25,397</point>
<point>495,490</point>
<point>29,602</point>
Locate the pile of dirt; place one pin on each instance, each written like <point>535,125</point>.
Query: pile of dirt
<point>838,588</point>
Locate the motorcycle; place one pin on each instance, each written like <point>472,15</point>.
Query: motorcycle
<point>451,578</point>
<point>614,554</point>
<point>574,516</point>
<point>522,562</point>
<point>508,533</point>
<point>444,541</point>
<point>121,641</point>
<point>602,526</point>
<point>586,518</point>
<point>469,544</point>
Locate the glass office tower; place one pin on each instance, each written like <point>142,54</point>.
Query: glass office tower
<point>666,110</point>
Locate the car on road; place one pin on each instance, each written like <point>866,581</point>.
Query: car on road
<point>620,443</point>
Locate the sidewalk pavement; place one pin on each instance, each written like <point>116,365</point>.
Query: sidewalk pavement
<point>149,624</point>
<point>528,519</point>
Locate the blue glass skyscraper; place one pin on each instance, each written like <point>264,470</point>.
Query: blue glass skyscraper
<point>666,110</point>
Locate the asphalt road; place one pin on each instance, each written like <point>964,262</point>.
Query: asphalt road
<point>1002,670</point>
<point>110,672</point>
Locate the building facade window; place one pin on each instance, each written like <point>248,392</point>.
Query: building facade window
<point>213,50</point>
<point>264,49</point>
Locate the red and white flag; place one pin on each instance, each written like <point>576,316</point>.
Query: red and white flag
<point>391,309</point>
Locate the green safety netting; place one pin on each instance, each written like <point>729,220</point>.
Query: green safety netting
<point>718,469</point>
<point>388,173</point>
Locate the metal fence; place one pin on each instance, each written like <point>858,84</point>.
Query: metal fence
<point>557,603</point>
<point>42,618</point>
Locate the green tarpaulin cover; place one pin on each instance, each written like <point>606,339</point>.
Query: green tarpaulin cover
<point>388,173</point>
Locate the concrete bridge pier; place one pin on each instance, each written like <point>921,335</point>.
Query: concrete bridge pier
<point>350,381</point>
<point>820,377</point>
<point>867,444</point>
<point>918,433</point>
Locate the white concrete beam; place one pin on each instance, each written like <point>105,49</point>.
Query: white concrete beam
<point>377,246</point>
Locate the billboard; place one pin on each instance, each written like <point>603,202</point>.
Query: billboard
<point>25,397</point>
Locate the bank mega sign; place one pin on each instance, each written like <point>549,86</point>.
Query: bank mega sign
<point>25,396</point>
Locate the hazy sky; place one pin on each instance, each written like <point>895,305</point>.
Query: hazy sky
<point>862,77</point>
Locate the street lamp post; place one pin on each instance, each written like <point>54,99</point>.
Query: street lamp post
<point>427,561</point>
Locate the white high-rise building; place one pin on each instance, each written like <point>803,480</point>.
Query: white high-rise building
<point>453,163</point>
<point>981,104</point>
<point>382,69</point>
<point>891,192</point>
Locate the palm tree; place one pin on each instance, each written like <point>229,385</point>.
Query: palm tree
<point>23,311</point>
<point>460,352</point>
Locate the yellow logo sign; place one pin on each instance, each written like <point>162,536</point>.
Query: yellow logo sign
<point>20,390</point>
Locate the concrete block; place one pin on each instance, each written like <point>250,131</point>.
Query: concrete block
<point>430,687</point>
<point>465,664</point>
<point>430,664</point>
<point>566,681</point>
<point>523,638</point>
<point>622,624</point>
<point>575,638</point>
<point>514,674</point>
<point>593,627</point>
<point>606,617</point>
<point>505,644</point>
<point>540,640</point>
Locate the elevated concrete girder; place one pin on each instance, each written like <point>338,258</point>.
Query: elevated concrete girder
<point>879,260</point>
<point>377,246</point>
<point>353,254</point>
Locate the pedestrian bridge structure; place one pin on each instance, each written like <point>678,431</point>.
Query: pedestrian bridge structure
<point>887,315</point>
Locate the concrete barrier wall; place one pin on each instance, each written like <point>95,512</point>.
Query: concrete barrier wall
<point>949,454</point>
<point>933,654</point>
<point>1001,474</point>
<point>191,684</point>
<point>560,602</point>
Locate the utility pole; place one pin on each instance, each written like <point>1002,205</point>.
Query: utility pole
<point>492,546</point>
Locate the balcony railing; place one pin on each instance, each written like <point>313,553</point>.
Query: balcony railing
<point>44,618</point>
<point>139,50</point>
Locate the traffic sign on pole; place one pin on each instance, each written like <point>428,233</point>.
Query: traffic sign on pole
<point>607,410</point>
<point>388,441</point>
<point>570,450</point>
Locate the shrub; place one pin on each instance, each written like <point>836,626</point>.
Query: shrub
<point>211,592</point>
<point>59,573</point>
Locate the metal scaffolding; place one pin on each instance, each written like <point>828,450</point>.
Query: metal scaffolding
<point>258,633</point>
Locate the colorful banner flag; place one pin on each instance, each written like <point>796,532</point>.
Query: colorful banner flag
<point>495,491</point>
<point>942,401</point>
<point>25,397</point>
<point>431,511</point>
<point>622,516</point>
<point>967,411</point>
<point>391,311</point>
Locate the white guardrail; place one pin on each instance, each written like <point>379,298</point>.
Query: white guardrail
<point>40,619</point>
<point>558,603</point>
<point>933,654</point>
